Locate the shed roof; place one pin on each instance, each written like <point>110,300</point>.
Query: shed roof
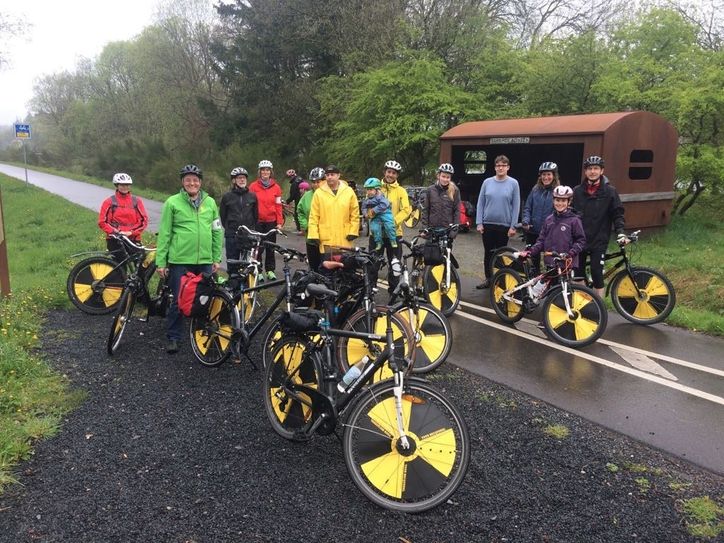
<point>594,123</point>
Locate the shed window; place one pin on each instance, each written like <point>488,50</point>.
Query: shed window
<point>475,162</point>
<point>643,158</point>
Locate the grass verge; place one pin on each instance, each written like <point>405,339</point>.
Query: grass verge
<point>41,231</point>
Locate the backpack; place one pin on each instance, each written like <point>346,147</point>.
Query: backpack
<point>115,204</point>
<point>195,293</point>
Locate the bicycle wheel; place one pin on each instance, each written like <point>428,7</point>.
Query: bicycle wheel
<point>95,285</point>
<point>211,335</point>
<point>272,335</point>
<point>587,323</point>
<point>248,300</point>
<point>413,219</point>
<point>420,477</point>
<point>644,297</point>
<point>433,336</point>
<point>508,310</point>
<point>445,298</point>
<point>120,321</point>
<point>290,365</point>
<point>503,258</point>
<point>351,350</point>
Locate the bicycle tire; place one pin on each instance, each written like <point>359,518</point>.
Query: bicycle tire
<point>95,285</point>
<point>433,336</point>
<point>647,299</point>
<point>211,335</point>
<point>394,478</point>
<point>351,349</point>
<point>289,360</point>
<point>272,335</point>
<point>124,314</point>
<point>248,300</point>
<point>445,299</point>
<point>503,258</point>
<point>503,282</point>
<point>589,320</point>
<point>413,219</point>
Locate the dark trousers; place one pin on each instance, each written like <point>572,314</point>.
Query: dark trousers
<point>296,216</point>
<point>174,319</point>
<point>269,255</point>
<point>596,255</point>
<point>495,236</point>
<point>314,257</point>
<point>391,252</point>
<point>232,252</point>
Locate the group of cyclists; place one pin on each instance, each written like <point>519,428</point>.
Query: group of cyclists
<point>556,217</point>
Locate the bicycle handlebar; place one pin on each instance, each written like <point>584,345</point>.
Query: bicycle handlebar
<point>260,235</point>
<point>125,239</point>
<point>286,252</point>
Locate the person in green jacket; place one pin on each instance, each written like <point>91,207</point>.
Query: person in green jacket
<point>189,239</point>
<point>303,208</point>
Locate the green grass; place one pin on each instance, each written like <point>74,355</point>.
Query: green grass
<point>705,517</point>
<point>557,431</point>
<point>41,231</point>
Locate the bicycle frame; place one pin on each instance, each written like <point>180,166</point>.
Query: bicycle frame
<point>560,273</point>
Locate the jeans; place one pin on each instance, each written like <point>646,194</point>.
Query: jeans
<point>174,319</point>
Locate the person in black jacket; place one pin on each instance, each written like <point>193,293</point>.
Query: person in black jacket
<point>600,208</point>
<point>238,207</point>
<point>294,195</point>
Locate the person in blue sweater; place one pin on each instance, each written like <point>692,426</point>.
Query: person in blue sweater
<point>497,212</point>
<point>539,205</point>
<point>378,211</point>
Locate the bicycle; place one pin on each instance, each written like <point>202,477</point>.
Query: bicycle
<point>573,314</point>
<point>433,335</point>
<point>413,219</point>
<point>355,310</point>
<point>95,284</point>
<point>639,294</point>
<point>435,277</point>
<point>405,445</point>
<point>136,287</point>
<point>223,331</point>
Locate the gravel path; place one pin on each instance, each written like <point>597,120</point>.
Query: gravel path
<point>166,450</point>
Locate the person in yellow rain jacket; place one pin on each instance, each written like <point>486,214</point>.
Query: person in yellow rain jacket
<point>401,208</point>
<point>334,214</point>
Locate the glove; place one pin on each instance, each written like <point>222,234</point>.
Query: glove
<point>351,237</point>
<point>622,239</point>
<point>521,254</point>
<point>312,241</point>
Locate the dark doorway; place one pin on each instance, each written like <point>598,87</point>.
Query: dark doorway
<point>474,163</point>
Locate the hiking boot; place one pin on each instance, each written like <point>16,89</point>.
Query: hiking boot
<point>172,346</point>
<point>271,275</point>
<point>484,284</point>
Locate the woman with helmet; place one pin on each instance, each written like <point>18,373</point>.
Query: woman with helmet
<point>269,198</point>
<point>401,209</point>
<point>303,208</point>
<point>600,208</point>
<point>189,240</point>
<point>497,212</point>
<point>378,211</point>
<point>122,213</point>
<point>238,207</point>
<point>441,201</point>
<point>539,205</point>
<point>562,231</point>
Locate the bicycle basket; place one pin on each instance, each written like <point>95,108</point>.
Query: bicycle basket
<point>307,321</point>
<point>432,253</point>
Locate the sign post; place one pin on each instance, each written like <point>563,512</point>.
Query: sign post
<point>22,132</point>
<point>4,266</point>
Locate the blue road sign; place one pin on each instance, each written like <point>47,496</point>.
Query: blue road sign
<point>22,131</point>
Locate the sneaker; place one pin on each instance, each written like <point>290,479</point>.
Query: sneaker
<point>172,346</point>
<point>271,275</point>
<point>484,284</point>
<point>541,325</point>
<point>299,232</point>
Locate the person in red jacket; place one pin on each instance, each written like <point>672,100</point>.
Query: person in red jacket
<point>269,198</point>
<point>122,213</point>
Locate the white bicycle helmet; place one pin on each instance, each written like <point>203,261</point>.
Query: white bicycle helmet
<point>393,165</point>
<point>122,179</point>
<point>238,171</point>
<point>563,191</point>
<point>265,164</point>
<point>316,174</point>
<point>446,168</point>
<point>548,167</point>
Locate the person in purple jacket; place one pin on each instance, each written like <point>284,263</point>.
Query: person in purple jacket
<point>562,230</point>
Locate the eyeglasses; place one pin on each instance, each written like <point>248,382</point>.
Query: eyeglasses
<point>502,165</point>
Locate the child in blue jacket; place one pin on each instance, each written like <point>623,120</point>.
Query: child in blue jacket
<point>378,211</point>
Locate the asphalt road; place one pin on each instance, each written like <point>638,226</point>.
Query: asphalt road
<point>660,385</point>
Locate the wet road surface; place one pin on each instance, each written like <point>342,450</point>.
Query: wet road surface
<point>658,384</point>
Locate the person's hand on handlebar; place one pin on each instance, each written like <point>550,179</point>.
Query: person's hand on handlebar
<point>622,239</point>
<point>162,272</point>
<point>521,254</point>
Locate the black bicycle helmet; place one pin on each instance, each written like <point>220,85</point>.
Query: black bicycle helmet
<point>593,161</point>
<point>191,169</point>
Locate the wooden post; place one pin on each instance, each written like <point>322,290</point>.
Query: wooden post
<point>4,266</point>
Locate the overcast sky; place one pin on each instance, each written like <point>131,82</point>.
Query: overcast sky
<point>61,33</point>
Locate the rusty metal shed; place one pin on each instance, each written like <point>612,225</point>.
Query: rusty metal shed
<point>639,148</point>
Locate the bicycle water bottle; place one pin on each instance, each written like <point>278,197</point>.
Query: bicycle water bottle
<point>537,289</point>
<point>352,374</point>
<point>396,267</point>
